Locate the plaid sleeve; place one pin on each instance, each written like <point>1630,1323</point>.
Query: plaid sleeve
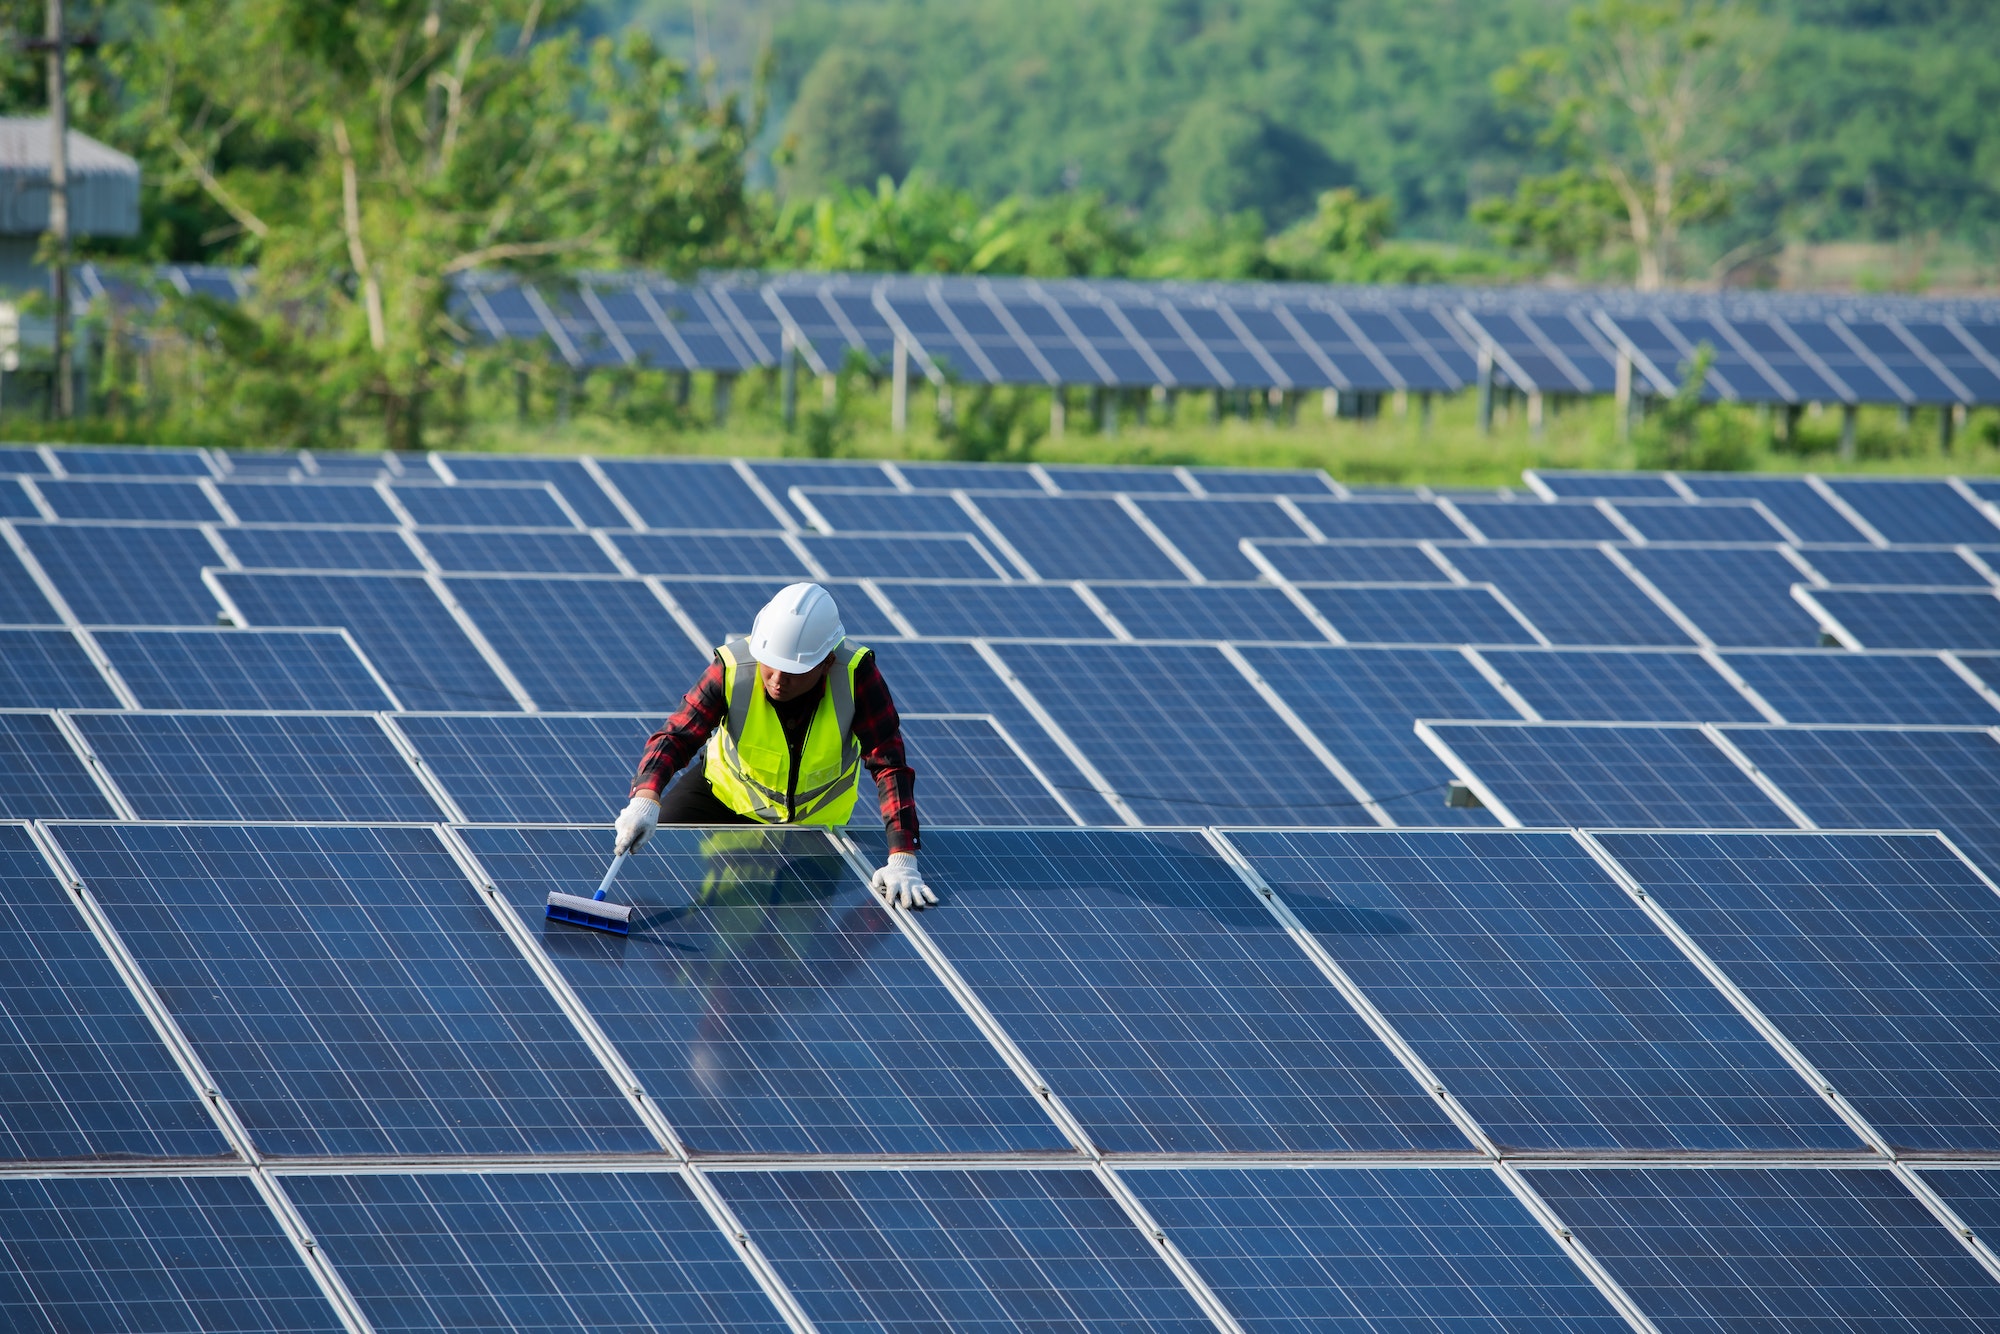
<point>670,748</point>
<point>880,733</point>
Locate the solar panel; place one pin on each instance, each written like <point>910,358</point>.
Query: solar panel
<point>1793,500</point>
<point>1717,521</point>
<point>302,502</point>
<point>1870,565</point>
<point>997,611</point>
<point>244,766</point>
<point>150,502</point>
<point>1207,531</point>
<point>1078,538</point>
<point>1263,481</point>
<point>1538,521</point>
<point>1436,613</point>
<point>1349,563</point>
<point>916,557</point>
<point>321,549</point>
<point>699,553</point>
<point>889,511</point>
<point>568,476</point>
<point>483,505</point>
<point>1610,485</point>
<point>522,1250</point>
<point>1290,1250</point>
<point>14,501</point>
<point>1727,1249</point>
<point>398,621</point>
<point>1827,687</point>
<point>22,458</point>
<point>688,493</point>
<point>1575,596</point>
<point>585,644</point>
<point>558,768</point>
<point>1609,686</point>
<point>1637,777</point>
<point>1738,597</point>
<point>41,777</point>
<point>1912,510</point>
<point>1162,1003</point>
<point>783,474</point>
<point>1548,1002</point>
<point>981,1249</point>
<point>125,574</point>
<point>151,1253</point>
<point>349,992</point>
<point>1207,611</point>
<point>1874,954</point>
<point>133,461</point>
<point>972,776</point>
<point>87,1077</point>
<point>765,1000</point>
<point>1378,520</point>
<point>1915,617</point>
<point>722,608</point>
<point>1074,478</point>
<point>1970,1193</point>
<point>970,476</point>
<point>239,669</point>
<point>48,669</point>
<point>518,551</point>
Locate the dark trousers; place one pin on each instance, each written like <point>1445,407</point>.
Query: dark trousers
<point>690,800</point>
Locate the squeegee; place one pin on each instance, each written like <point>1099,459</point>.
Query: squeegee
<point>594,912</point>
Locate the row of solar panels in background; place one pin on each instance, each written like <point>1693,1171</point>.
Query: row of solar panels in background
<point>1552,940</point>
<point>1768,349</point>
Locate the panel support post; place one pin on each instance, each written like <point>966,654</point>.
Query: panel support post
<point>1944,428</point>
<point>1903,418</point>
<point>944,403</point>
<point>1170,401</point>
<point>1624,392</point>
<point>899,388</point>
<point>1424,410</point>
<point>724,382</point>
<point>1849,417</point>
<point>1329,403</point>
<point>1215,407</point>
<point>1789,424</point>
<point>520,393</point>
<point>1535,421</point>
<point>1058,410</point>
<point>788,380</point>
<point>1107,408</point>
<point>1485,390</point>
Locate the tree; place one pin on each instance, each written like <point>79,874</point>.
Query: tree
<point>1642,93</point>
<point>1224,159</point>
<point>844,129</point>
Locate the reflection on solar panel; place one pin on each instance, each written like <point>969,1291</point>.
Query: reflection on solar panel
<point>552,767</point>
<point>1638,777</point>
<point>246,766</point>
<point>321,549</point>
<point>1418,614</point>
<point>1621,687</point>
<point>1789,1251</point>
<point>765,1000</point>
<point>991,1249</point>
<point>518,1250</point>
<point>997,611</point>
<point>239,669</point>
<point>1206,611</point>
<point>972,776</point>
<point>1574,596</point>
<point>41,777</point>
<point>1873,953</point>
<point>151,502</point>
<point>87,1077</point>
<point>621,649</point>
<point>48,669</point>
<point>1078,538</point>
<point>1862,688</point>
<point>517,551</point>
<point>1915,617</point>
<point>349,992</point>
<point>1349,563</point>
<point>321,502</point>
<point>125,574</point>
<point>1292,1250</point>
<point>1160,1001</point>
<point>1739,597</point>
<point>1543,997</point>
<point>152,1253</point>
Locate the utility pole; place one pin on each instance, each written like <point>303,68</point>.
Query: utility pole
<point>58,45</point>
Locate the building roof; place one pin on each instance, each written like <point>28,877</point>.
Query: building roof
<point>104,183</point>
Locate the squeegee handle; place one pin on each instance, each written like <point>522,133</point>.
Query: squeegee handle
<point>617,863</point>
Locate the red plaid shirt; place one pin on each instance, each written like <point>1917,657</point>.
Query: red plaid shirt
<point>876,727</point>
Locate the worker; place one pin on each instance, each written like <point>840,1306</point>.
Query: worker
<point>790,716</point>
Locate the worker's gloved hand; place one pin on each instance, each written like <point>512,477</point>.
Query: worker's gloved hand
<point>901,883</point>
<point>640,817</point>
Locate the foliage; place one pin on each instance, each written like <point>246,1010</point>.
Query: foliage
<point>1561,218</point>
<point>993,425</point>
<point>1686,434</point>
<point>844,129</point>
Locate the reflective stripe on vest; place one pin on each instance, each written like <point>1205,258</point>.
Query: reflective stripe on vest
<point>750,762</point>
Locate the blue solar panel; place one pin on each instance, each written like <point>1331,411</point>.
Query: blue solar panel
<point>1206,611</point>
<point>208,766</point>
<point>127,575</point>
<point>152,502</point>
<point>483,505</point>
<point>688,493</point>
<point>1437,613</point>
<point>531,767</point>
<point>1610,485</point>
<point>1825,1251</point>
<point>997,611</point>
<point>1622,687</point>
<point>1915,618</point>
<point>1263,482</point>
<point>240,669</point>
<point>41,777</point>
<point>712,553</point>
<point>1070,477</point>
<point>891,512</point>
<point>21,601</point>
<point>1913,510</point>
<point>1179,734</point>
<point>1345,563</point>
<point>151,1253</point>
<point>1160,1000</point>
<point>723,608</point>
<point>48,669</point>
<point>140,461</point>
<point>934,557</point>
<point>1539,521</point>
<point>971,776</point>
<point>306,502</point>
<point>1874,954</point>
<point>1718,521</point>
<point>517,551</point>
<point>1575,596</point>
<point>585,643</point>
<point>543,1251</point>
<point>1972,1195</point>
<point>349,991</point>
<point>970,476</point>
<point>1837,687</point>
<point>765,1000</point>
<point>87,1077</point>
<point>1792,500</point>
<point>1078,538</point>
<point>782,475</point>
<point>398,622</point>
<point>1874,779</point>
<point>1379,520</point>
<point>568,476</point>
<point>1008,1252</point>
<point>1738,597</point>
<point>1871,565</point>
<point>22,458</point>
<point>1419,1249</point>
<point>1206,531</point>
<point>14,501</point>
<point>321,549</point>
<point>1546,1001</point>
<point>1637,777</point>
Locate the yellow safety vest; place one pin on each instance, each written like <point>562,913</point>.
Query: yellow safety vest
<point>749,764</point>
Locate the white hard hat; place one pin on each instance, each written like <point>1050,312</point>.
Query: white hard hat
<point>797,629</point>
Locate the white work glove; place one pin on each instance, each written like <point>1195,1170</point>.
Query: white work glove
<point>901,883</point>
<point>640,817</point>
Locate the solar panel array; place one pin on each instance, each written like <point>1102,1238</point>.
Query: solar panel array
<point>1567,908</point>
